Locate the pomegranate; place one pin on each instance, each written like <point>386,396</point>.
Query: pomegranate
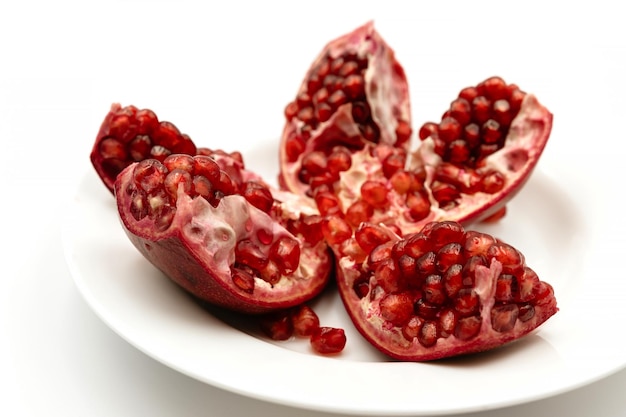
<point>220,232</point>
<point>439,292</point>
<point>355,94</point>
<point>128,134</point>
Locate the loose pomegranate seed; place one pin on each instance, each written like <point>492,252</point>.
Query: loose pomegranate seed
<point>278,326</point>
<point>305,321</point>
<point>328,340</point>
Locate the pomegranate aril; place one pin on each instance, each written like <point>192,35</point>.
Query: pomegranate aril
<point>374,193</point>
<point>449,129</point>
<point>461,111</point>
<point>278,326</point>
<point>481,109</point>
<point>285,252</point>
<point>511,259</point>
<point>429,333</point>
<point>506,287</point>
<point>258,195</point>
<point>428,129</point>
<point>294,147</point>
<point>412,328</point>
<point>387,275</point>
<point>243,280</point>
<point>397,308</point>
<point>336,230</point>
<point>359,212</point>
<point>305,321</point>
<point>149,174</point>
<point>328,340</point>
<point>175,179</point>
<point>418,205</point>
<point>503,317</point>
<point>491,131</point>
<point>467,327</point>
<point>369,236</point>
<point>467,302</point>
<point>453,280</point>
<point>248,253</point>
<point>494,88</point>
<point>433,290</point>
<point>448,255</point>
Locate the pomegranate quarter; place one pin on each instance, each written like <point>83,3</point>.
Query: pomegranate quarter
<point>440,292</point>
<point>217,230</point>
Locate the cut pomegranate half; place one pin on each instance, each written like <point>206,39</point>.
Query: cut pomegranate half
<point>218,231</point>
<point>440,292</point>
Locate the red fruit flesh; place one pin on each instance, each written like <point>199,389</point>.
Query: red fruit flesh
<point>219,232</point>
<point>452,292</point>
<point>127,135</point>
<point>354,95</point>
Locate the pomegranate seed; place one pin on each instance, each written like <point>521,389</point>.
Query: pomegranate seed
<point>453,280</point>
<point>291,110</point>
<point>248,253</point>
<point>461,110</point>
<point>467,302</point>
<point>506,287</point>
<point>426,264</point>
<point>442,233</point>
<point>387,275</point>
<point>494,88</point>
<point>339,160</point>
<point>174,180</point>
<point>294,147</point>
<point>327,202</point>
<point>407,266</point>
<point>427,130</point>
<point>149,174</point>
<point>502,112</point>
<point>467,327</point>
<point>336,230</point>
<point>449,129</point>
<point>526,312</point>
<point>504,317</point>
<point>469,269</point>
<point>393,163</point>
<point>433,289</point>
<point>491,131</point>
<point>243,280</point>
<point>305,321</point>
<point>396,308</point>
<point>477,243</point>
<point>481,109</point>
<point>354,86</point>
<point>361,112</point>
<point>428,334</point>
<point>359,212</point>
<point>328,340</point>
<point>448,255</point>
<point>469,94</point>
<point>471,134</point>
<point>492,182</point>
<point>445,194</point>
<point>207,167</point>
<point>315,163</point>
<point>285,252</point>
<point>111,148</point>
<point>447,322</point>
<point>403,132</point>
<point>412,328</point>
<point>278,326</point>
<point>418,205</point>
<point>370,132</point>
<point>511,259</point>
<point>258,195</point>
<point>369,236</point>
<point>529,286</point>
<point>458,151</point>
<point>379,254</point>
<point>374,193</point>
<point>139,147</point>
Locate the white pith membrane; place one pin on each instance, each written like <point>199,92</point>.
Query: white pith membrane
<point>386,92</point>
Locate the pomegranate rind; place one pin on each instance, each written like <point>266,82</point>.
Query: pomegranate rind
<point>95,157</point>
<point>366,316</point>
<point>387,93</point>
<point>192,252</point>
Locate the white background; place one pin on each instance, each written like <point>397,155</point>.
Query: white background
<point>223,74</point>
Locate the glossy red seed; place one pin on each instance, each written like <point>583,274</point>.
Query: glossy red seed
<point>242,280</point>
<point>467,327</point>
<point>258,195</point>
<point>504,317</point>
<point>285,252</point>
<point>248,253</point>
<point>370,235</point>
<point>374,193</point>
<point>328,340</point>
<point>278,326</point>
<point>428,334</point>
<point>397,308</point>
<point>336,230</point>
<point>305,321</point>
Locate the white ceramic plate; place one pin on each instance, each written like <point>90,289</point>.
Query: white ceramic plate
<point>563,221</point>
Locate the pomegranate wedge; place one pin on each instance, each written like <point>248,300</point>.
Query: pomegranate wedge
<point>217,230</point>
<point>440,292</point>
<point>355,94</point>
